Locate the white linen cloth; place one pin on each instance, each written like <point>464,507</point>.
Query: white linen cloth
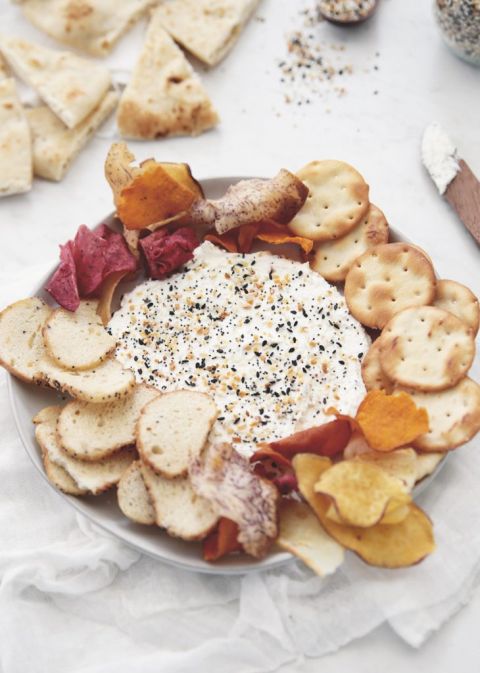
<point>73,598</point>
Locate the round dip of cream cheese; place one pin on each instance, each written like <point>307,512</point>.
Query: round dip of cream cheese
<point>268,338</point>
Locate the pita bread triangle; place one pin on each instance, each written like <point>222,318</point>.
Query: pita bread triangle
<point>15,143</point>
<point>206,28</point>
<point>71,86</point>
<point>164,96</point>
<point>93,26</point>
<point>54,145</point>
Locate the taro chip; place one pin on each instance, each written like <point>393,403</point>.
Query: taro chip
<point>153,196</point>
<point>390,421</point>
<point>165,252</point>
<point>361,492</point>
<point>272,232</point>
<point>328,439</point>
<point>63,284</point>
<point>222,540</point>
<point>301,534</point>
<point>392,546</point>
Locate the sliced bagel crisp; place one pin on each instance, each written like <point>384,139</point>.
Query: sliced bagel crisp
<point>60,477</point>
<point>173,429</point>
<point>47,415</point>
<point>178,508</point>
<point>92,477</point>
<point>21,342</point>
<point>77,340</point>
<point>91,432</point>
<point>133,498</point>
<point>107,382</point>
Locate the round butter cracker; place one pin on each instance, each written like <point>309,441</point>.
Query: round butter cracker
<point>454,415</point>
<point>426,348</point>
<point>459,300</point>
<point>373,375</point>
<point>337,200</point>
<point>386,280</point>
<point>334,258</point>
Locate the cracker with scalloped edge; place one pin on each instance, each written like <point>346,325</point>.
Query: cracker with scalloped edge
<point>337,200</point>
<point>454,416</point>
<point>332,259</point>
<point>372,373</point>
<point>387,279</point>
<point>459,300</point>
<point>426,348</point>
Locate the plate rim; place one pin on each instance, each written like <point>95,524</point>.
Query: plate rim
<point>280,557</point>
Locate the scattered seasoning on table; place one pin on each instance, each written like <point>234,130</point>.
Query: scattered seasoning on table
<point>313,66</point>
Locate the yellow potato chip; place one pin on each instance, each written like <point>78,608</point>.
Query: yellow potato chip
<point>361,491</point>
<point>392,546</point>
<point>301,534</point>
<point>401,463</point>
<point>394,513</point>
<point>390,421</point>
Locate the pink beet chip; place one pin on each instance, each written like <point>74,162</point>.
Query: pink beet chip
<point>166,252</point>
<point>63,283</point>
<point>86,262</point>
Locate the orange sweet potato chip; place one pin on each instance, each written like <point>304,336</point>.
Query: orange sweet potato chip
<point>227,241</point>
<point>246,236</point>
<point>272,232</point>
<point>183,175</point>
<point>390,421</point>
<point>222,540</point>
<point>152,196</point>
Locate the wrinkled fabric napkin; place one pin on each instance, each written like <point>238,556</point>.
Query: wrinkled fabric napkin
<point>73,598</point>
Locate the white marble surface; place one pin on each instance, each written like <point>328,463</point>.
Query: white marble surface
<point>417,81</point>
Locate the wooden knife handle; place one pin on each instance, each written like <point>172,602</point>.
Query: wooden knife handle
<point>463,194</point>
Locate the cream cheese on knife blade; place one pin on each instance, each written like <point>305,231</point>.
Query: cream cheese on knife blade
<point>267,337</point>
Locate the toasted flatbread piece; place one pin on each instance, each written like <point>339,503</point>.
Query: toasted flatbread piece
<point>55,146</point>
<point>334,258</point>
<point>426,348</point>
<point>93,26</point>
<point>133,498</point>
<point>178,508</point>
<point>301,533</point>
<point>459,300</point>
<point>15,142</point>
<point>93,431</point>
<point>107,382</point>
<point>71,86</point>
<point>387,279</point>
<point>173,429</point>
<point>336,203</point>
<point>372,373</point>
<point>77,340</point>
<point>21,341</point>
<point>92,477</point>
<point>454,416</point>
<point>164,96</point>
<point>206,28</point>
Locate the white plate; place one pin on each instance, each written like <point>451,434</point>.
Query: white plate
<point>26,400</point>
